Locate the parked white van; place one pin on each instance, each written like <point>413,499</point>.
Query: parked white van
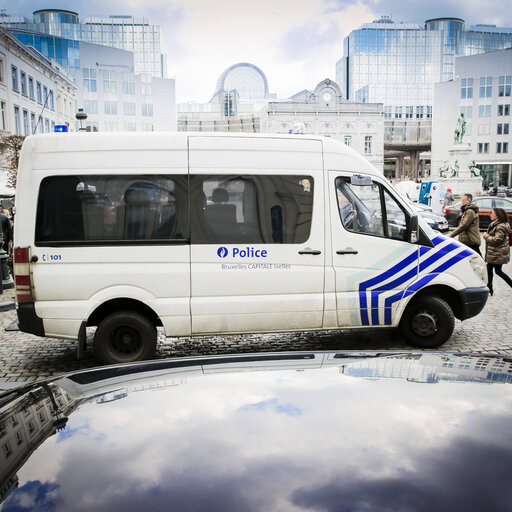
<point>222,233</point>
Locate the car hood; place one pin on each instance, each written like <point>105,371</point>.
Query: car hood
<point>296,431</point>
<point>432,216</point>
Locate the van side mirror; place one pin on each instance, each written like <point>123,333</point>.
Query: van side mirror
<point>414,229</point>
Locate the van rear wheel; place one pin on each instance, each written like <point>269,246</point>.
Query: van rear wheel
<point>427,322</point>
<point>124,337</point>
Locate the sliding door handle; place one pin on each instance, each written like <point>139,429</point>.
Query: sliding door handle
<point>314,253</point>
<point>347,251</point>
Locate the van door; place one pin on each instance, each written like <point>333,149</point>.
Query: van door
<point>373,261</point>
<point>257,234</point>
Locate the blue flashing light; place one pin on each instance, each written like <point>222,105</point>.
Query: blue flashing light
<point>61,128</point>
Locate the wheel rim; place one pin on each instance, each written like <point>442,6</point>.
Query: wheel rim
<point>425,323</point>
<point>125,341</point>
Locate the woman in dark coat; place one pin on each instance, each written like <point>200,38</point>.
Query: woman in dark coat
<point>497,248</point>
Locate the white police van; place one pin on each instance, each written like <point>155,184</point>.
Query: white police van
<point>221,233</point>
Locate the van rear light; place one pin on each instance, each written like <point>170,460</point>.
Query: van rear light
<point>22,276</point>
<point>446,211</point>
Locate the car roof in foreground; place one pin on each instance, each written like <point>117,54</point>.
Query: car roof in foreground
<point>275,431</point>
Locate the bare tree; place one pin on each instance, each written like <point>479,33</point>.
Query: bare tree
<point>11,147</point>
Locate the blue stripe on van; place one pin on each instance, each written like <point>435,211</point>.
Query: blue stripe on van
<point>422,282</point>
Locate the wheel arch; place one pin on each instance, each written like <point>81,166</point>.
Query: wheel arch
<point>118,304</point>
<point>447,293</point>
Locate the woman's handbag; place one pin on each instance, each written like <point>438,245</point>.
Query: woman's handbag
<point>510,238</point>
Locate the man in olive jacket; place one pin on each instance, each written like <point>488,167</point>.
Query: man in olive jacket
<point>468,229</point>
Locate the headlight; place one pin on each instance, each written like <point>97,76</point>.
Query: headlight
<point>478,265</point>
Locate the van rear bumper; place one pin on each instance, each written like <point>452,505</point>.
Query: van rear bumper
<point>473,301</point>
<point>28,320</point>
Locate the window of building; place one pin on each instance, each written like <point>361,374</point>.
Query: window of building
<point>370,210</point>
<point>504,110</point>
<point>130,127</point>
<point>51,101</point>
<point>128,84</point>
<point>467,111</point>
<point>128,108</point>
<point>39,93</point>
<point>503,129</point>
<point>45,95</point>
<point>91,126</point>
<point>429,111</point>
<point>484,111</point>
<point>17,120</point>
<point>111,107</point>
<point>505,83</point>
<point>502,147</point>
<point>23,81</point>
<point>110,127</point>
<point>398,112</point>
<point>387,111</point>
<point>419,111</point>
<point>91,106</point>
<point>53,126</point>
<point>147,89</point>
<point>409,112</point>
<point>109,81</point>
<point>148,128</point>
<point>15,84</point>
<point>19,439</point>
<point>25,123</point>
<point>147,109</point>
<point>485,86</point>
<point>484,129</point>
<point>31,88</point>
<point>483,147</point>
<point>7,450</point>
<point>368,145</point>
<point>33,123</point>
<point>3,120</point>
<point>2,78</point>
<point>46,125</point>
<point>348,140</point>
<point>466,89</point>
<point>89,79</point>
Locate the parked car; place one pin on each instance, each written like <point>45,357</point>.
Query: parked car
<point>502,192</point>
<point>485,204</point>
<point>265,432</point>
<point>437,222</point>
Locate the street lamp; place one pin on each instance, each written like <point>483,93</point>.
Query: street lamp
<point>81,116</point>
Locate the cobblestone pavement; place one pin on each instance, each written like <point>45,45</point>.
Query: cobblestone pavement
<point>24,357</point>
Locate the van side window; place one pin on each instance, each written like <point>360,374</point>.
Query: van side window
<point>103,210</point>
<point>370,210</point>
<point>251,209</point>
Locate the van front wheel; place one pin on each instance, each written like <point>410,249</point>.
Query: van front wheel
<point>427,322</point>
<point>124,337</point>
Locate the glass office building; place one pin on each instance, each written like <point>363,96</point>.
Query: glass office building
<point>398,64</point>
<point>57,33</point>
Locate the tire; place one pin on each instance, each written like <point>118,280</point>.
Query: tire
<point>125,337</point>
<point>427,322</point>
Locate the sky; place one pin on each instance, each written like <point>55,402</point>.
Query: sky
<point>296,43</point>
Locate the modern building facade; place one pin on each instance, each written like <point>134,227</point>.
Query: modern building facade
<point>397,64</point>
<point>35,93</point>
<point>116,63</point>
<point>325,112</point>
<point>482,91</point>
<point>115,98</point>
<point>55,33</point>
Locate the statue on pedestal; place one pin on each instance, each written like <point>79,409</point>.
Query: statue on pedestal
<point>460,129</point>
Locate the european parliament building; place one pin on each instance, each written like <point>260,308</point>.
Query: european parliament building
<point>116,62</point>
<point>397,64</point>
